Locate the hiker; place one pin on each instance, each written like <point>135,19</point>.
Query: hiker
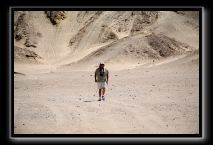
<point>101,77</point>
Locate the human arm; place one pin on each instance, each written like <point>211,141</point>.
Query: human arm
<point>95,77</point>
<point>107,77</point>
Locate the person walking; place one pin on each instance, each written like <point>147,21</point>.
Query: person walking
<point>101,77</point>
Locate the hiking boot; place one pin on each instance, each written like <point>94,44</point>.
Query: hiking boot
<point>103,98</point>
<point>99,99</point>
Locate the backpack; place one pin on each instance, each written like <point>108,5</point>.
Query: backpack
<point>102,71</point>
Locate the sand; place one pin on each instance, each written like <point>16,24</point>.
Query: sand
<point>159,99</point>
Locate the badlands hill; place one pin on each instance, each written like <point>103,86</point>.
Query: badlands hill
<point>83,38</point>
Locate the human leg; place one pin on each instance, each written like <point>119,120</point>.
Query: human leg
<point>103,91</point>
<point>100,92</point>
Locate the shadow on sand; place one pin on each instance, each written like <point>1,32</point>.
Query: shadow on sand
<point>90,101</point>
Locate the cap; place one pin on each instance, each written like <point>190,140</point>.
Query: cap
<point>101,62</point>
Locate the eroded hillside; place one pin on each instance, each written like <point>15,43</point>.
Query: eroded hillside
<point>69,37</point>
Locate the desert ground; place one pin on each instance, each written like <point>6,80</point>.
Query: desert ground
<point>153,73</point>
<point>158,99</point>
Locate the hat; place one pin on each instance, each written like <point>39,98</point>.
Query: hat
<point>101,62</point>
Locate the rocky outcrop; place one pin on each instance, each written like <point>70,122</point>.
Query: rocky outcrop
<point>107,34</point>
<point>166,46</point>
<point>24,55</point>
<point>24,31</point>
<point>90,17</point>
<point>56,16</point>
<point>143,19</point>
<point>87,16</point>
<point>21,29</point>
<point>191,14</point>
